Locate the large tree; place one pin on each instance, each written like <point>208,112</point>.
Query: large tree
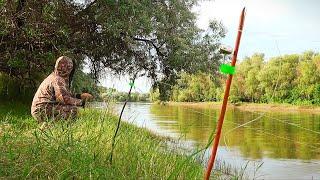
<point>156,37</point>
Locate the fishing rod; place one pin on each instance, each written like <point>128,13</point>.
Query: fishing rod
<point>131,84</point>
<point>228,70</point>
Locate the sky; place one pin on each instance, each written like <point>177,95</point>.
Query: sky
<point>292,25</point>
<point>272,27</point>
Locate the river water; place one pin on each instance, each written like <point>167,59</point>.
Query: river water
<point>288,144</point>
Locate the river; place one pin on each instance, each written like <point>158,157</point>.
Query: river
<point>288,144</point>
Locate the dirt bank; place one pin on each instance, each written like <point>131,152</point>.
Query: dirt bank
<point>253,107</point>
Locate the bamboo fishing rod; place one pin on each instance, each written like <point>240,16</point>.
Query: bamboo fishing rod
<point>225,99</point>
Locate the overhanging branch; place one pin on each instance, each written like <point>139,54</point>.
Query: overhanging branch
<point>150,42</point>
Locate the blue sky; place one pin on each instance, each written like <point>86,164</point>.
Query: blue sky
<point>291,25</point>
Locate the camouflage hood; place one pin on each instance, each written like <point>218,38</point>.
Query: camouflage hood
<point>63,67</point>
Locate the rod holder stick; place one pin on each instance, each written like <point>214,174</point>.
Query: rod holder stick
<point>225,100</point>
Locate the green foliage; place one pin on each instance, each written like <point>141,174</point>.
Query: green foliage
<point>199,87</point>
<point>246,83</point>
<point>285,79</point>
<point>1,3</point>
<point>124,36</point>
<point>159,38</point>
<point>12,88</point>
<point>83,82</point>
<point>112,95</point>
<point>154,95</point>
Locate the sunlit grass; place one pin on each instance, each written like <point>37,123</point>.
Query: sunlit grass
<point>81,149</point>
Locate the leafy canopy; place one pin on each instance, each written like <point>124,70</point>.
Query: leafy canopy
<point>158,38</point>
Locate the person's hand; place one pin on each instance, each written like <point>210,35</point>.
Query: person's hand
<point>86,97</point>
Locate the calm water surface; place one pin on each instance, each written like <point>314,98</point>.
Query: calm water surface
<point>288,144</point>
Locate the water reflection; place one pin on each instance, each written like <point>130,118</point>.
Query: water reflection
<point>287,143</point>
<point>275,135</point>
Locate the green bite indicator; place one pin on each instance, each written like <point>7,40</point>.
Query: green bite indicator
<point>227,69</point>
<point>131,84</point>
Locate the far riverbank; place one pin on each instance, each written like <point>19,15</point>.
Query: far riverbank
<point>254,107</point>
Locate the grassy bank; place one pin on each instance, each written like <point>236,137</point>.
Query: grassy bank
<point>81,149</point>
<point>254,107</point>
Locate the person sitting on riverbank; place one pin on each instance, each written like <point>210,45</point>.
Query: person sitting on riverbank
<point>53,99</point>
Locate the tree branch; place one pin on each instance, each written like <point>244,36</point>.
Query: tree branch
<point>150,42</point>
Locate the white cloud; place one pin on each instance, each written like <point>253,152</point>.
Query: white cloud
<point>219,9</point>
<point>292,23</point>
<point>228,11</point>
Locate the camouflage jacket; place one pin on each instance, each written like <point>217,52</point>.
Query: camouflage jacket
<point>55,88</point>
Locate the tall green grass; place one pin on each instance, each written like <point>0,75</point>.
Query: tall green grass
<point>80,149</point>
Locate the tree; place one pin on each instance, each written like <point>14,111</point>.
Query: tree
<point>277,78</point>
<point>193,87</point>
<point>307,78</point>
<point>246,83</point>
<point>155,37</point>
<point>290,78</point>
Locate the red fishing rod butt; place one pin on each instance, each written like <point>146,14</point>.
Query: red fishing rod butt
<point>225,100</point>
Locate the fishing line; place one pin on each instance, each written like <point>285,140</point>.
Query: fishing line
<point>273,93</point>
<point>314,148</point>
<point>292,124</point>
<point>261,115</point>
<point>281,137</point>
<point>211,138</point>
<point>195,153</point>
<point>245,124</point>
<point>239,125</point>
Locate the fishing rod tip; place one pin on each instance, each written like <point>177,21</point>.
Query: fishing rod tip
<point>244,11</point>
